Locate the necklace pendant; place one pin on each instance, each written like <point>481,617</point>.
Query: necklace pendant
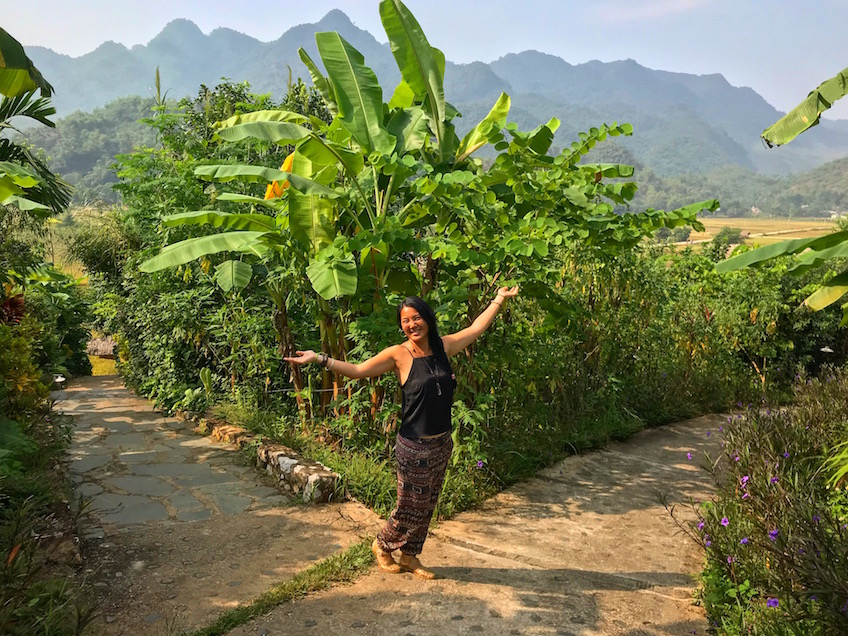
<point>438,389</point>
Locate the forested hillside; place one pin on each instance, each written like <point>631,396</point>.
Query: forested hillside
<point>83,146</point>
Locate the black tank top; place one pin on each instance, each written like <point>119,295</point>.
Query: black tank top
<point>427,398</point>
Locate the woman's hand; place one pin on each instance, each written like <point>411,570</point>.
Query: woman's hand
<point>508,292</point>
<point>303,357</point>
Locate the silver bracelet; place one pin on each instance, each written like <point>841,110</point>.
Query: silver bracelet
<point>330,366</point>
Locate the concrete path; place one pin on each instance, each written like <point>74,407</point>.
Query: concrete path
<point>584,549</point>
<point>179,527</point>
<point>180,530</point>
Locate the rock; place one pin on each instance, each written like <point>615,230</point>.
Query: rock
<point>66,553</point>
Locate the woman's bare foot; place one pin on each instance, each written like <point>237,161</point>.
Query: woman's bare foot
<point>384,559</point>
<point>410,563</point>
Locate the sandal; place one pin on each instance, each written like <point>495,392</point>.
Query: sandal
<point>384,559</point>
<point>412,564</point>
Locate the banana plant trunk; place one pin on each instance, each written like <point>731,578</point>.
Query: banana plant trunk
<point>287,348</point>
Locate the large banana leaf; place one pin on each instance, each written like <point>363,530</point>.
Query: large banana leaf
<point>190,249</point>
<point>321,82</point>
<point>421,66</point>
<point>807,114</point>
<point>233,275</point>
<point>813,258</point>
<point>263,115</point>
<point>251,222</point>
<point>334,277</point>
<point>411,128</point>
<point>792,246</point>
<point>403,97</point>
<point>311,216</point>
<point>261,174</point>
<point>829,293</point>
<point>311,220</point>
<point>358,93</point>
<point>244,198</point>
<point>283,133</point>
<point>479,136</point>
<point>17,73</point>
<point>324,152</point>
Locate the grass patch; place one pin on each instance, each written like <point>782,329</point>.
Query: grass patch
<point>339,568</point>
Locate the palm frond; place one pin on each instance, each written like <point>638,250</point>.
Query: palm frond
<point>26,105</point>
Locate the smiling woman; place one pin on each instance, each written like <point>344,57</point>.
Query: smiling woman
<point>423,446</point>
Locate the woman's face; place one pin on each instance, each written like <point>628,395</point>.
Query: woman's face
<point>414,326</point>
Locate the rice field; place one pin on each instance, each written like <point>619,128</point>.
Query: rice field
<point>764,231</point>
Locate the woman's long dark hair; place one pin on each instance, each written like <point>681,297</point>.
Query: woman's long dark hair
<point>429,316</point>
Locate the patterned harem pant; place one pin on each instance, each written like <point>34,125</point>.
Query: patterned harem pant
<point>421,466</point>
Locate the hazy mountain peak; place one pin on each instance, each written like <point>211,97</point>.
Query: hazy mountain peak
<point>335,20</point>
<point>180,28</point>
<point>532,56</point>
<point>110,46</point>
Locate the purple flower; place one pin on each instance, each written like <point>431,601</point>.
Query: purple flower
<point>773,479</point>
<point>707,542</point>
<point>479,464</point>
<point>786,455</point>
<point>744,480</point>
<point>709,433</point>
<point>725,521</point>
<point>772,602</point>
<point>721,428</point>
<point>745,496</point>
<point>700,525</point>
<point>743,541</point>
<point>773,534</point>
<point>736,459</point>
<point>689,456</point>
<point>731,559</point>
<point>816,518</point>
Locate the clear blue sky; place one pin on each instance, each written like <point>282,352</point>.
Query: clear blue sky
<point>780,48</point>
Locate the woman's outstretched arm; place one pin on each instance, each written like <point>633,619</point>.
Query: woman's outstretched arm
<point>456,342</point>
<point>382,363</point>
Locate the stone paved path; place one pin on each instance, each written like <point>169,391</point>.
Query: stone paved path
<point>178,528</point>
<point>180,531</point>
<point>137,466</point>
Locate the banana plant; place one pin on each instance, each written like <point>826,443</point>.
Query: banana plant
<point>810,252</point>
<point>387,199</point>
<point>25,181</point>
<point>18,74</point>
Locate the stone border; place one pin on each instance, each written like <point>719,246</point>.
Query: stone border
<point>316,482</point>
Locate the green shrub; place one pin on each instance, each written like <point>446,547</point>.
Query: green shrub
<point>776,535</point>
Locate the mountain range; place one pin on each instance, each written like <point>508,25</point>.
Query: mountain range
<point>683,123</point>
